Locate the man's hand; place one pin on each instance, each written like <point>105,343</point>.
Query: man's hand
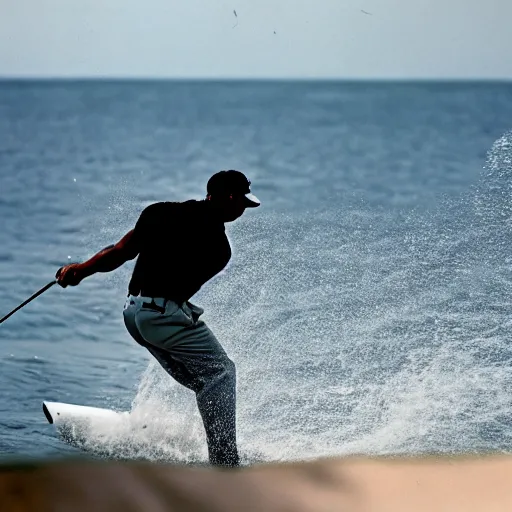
<point>70,275</point>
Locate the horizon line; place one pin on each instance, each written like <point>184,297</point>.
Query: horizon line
<point>106,78</point>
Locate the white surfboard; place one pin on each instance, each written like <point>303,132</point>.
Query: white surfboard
<point>91,429</point>
<point>121,434</point>
<point>58,413</point>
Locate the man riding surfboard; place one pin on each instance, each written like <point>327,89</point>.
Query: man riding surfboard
<point>180,246</point>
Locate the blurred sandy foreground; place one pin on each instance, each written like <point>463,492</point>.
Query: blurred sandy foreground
<point>350,484</point>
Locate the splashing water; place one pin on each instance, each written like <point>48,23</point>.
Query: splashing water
<point>354,331</point>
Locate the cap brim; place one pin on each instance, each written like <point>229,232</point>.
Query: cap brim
<point>251,201</point>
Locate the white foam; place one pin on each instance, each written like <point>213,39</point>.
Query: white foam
<point>354,332</point>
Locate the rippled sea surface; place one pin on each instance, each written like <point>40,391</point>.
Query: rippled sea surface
<point>367,304</point>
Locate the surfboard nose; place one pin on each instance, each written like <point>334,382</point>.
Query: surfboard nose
<point>47,413</point>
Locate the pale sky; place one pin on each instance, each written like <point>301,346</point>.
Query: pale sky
<point>312,39</point>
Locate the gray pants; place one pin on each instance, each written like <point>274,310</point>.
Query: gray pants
<point>187,349</point>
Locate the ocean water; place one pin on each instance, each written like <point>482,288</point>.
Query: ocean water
<point>367,304</point>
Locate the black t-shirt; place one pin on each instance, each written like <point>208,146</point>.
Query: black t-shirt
<point>182,246</point>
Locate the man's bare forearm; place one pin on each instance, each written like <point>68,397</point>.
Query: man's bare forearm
<point>106,260</point>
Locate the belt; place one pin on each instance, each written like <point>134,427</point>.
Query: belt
<point>155,303</point>
<point>147,294</point>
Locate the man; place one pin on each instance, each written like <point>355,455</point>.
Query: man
<point>181,246</point>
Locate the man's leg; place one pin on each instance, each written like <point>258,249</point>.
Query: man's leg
<point>188,350</point>
<point>214,381</point>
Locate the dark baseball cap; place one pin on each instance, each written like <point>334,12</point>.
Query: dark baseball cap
<point>224,183</point>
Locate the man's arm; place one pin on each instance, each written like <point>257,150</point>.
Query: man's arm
<point>111,257</point>
<point>106,260</point>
